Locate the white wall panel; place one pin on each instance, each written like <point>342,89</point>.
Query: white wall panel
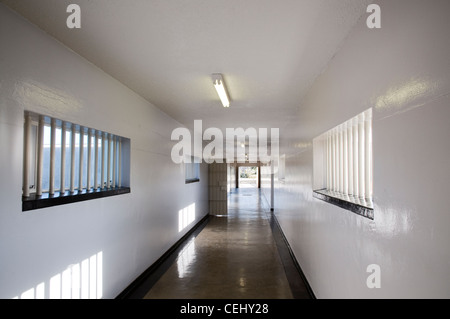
<point>118,237</point>
<point>403,71</point>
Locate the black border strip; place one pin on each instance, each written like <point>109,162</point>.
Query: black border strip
<point>353,207</point>
<point>142,284</point>
<point>44,201</point>
<point>292,267</point>
<point>192,180</point>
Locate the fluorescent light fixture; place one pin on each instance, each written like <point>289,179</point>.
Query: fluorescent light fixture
<point>220,88</point>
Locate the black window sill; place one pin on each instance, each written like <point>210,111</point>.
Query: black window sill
<point>358,206</point>
<point>47,200</point>
<point>194,180</point>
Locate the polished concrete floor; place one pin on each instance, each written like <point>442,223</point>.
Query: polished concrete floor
<point>234,256</point>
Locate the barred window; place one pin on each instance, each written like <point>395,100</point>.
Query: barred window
<point>343,164</point>
<point>67,160</point>
<point>192,170</point>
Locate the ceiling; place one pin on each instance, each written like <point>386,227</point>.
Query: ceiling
<point>269,51</point>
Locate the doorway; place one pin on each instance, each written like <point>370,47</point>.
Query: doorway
<point>248,177</point>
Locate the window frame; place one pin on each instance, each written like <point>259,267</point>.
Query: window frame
<point>343,165</point>
<point>191,170</point>
<point>39,195</point>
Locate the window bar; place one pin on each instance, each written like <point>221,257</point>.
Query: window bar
<point>339,149</point>
<point>335,171</point>
<point>114,162</point>
<point>341,161</point>
<point>327,152</point>
<point>350,157</point>
<point>96,137</point>
<point>102,178</point>
<point>368,155</point>
<point>361,168</point>
<point>332,160</point>
<point>89,151</point>
<point>108,174</point>
<point>80,163</point>
<point>120,162</point>
<point>329,186</point>
<point>62,187</point>
<point>345,159</point>
<point>72,160</point>
<point>52,156</point>
<point>26,155</point>
<point>40,155</point>
<point>336,161</point>
<point>355,157</point>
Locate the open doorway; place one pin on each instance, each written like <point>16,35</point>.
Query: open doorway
<point>248,177</point>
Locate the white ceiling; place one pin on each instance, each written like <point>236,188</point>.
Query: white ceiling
<point>269,51</point>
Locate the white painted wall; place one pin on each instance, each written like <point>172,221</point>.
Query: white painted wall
<point>403,71</point>
<point>266,184</point>
<point>123,234</point>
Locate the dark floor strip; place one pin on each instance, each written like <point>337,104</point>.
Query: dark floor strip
<point>300,287</point>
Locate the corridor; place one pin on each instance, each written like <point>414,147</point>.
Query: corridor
<point>124,125</point>
<point>233,257</point>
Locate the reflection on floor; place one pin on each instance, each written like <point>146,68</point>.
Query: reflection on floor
<point>233,257</point>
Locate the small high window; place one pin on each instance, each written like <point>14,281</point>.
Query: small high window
<point>192,170</point>
<point>343,165</point>
<point>66,162</point>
